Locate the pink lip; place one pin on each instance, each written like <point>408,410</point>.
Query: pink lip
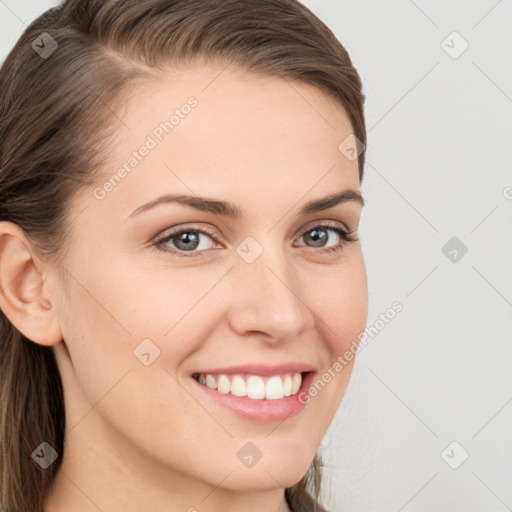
<point>263,411</point>
<point>261,369</point>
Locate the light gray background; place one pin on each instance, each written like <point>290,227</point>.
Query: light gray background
<point>439,161</point>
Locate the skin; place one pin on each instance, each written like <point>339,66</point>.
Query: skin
<point>141,437</point>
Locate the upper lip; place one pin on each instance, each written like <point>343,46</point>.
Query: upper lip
<point>262,369</point>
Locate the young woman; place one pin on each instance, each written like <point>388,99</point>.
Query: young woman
<point>182,281</point>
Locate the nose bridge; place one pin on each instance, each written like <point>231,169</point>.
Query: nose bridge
<point>267,299</point>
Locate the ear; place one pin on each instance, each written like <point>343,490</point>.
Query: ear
<point>22,280</point>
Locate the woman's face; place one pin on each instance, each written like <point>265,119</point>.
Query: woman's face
<point>142,312</point>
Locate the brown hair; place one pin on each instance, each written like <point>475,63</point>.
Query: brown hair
<point>56,121</point>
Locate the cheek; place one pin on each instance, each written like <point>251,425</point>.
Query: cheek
<point>111,316</point>
<point>116,317</point>
<point>159,297</point>
<point>340,299</point>
<point>341,308</point>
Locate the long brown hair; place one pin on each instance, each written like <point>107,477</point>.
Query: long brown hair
<point>59,89</point>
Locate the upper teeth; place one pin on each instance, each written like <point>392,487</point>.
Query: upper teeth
<point>254,386</point>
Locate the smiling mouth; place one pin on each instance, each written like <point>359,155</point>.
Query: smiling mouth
<point>254,387</point>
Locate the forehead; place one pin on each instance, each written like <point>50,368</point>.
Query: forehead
<point>224,132</point>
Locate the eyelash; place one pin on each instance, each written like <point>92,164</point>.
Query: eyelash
<point>346,236</point>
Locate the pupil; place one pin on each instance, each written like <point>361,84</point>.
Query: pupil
<point>316,238</point>
<point>188,240</point>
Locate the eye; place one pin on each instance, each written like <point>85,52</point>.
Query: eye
<point>192,241</point>
<point>184,240</point>
<point>318,236</point>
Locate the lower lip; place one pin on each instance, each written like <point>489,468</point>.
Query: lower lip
<point>262,410</point>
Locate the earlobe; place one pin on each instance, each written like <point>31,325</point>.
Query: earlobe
<point>21,288</point>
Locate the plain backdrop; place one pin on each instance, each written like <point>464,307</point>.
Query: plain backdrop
<point>426,424</point>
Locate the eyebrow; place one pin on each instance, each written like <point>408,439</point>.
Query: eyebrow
<point>227,209</point>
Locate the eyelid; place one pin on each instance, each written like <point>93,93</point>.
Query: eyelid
<point>166,233</point>
<point>210,231</point>
<point>327,223</point>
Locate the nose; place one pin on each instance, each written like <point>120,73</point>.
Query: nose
<point>268,300</point>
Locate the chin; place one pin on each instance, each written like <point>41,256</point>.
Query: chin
<point>279,470</point>
<point>262,481</point>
